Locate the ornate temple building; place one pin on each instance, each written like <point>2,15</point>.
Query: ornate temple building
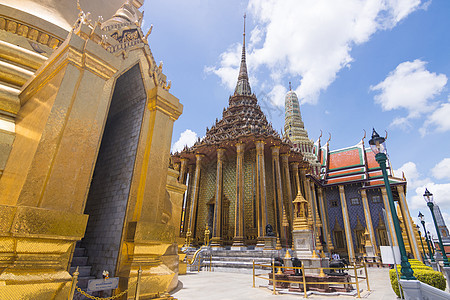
<point>243,176</point>
<point>348,187</point>
<point>240,176</point>
<point>86,122</point>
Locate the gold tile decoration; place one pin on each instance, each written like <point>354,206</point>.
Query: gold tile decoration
<point>229,190</point>
<point>207,187</point>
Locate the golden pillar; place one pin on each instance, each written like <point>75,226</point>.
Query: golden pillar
<point>261,197</point>
<point>149,206</point>
<point>389,217</point>
<point>326,229</point>
<point>188,198</point>
<point>296,177</point>
<point>347,227</point>
<point>408,222</point>
<point>217,230</point>
<point>406,241</point>
<point>287,187</point>
<point>182,176</point>
<point>45,181</point>
<point>195,193</point>
<point>238,240</point>
<point>368,217</point>
<point>317,221</point>
<point>278,193</point>
<point>183,170</point>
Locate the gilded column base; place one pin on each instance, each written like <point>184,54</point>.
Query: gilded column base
<point>260,242</point>
<point>216,242</point>
<point>45,290</point>
<point>35,251</point>
<point>238,243</point>
<point>151,247</point>
<point>154,283</point>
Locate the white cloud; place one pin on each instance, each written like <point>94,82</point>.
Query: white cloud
<point>439,119</point>
<point>412,175</point>
<point>277,95</point>
<point>187,138</point>
<point>311,39</point>
<point>442,169</point>
<point>441,195</point>
<point>229,70</point>
<point>411,87</point>
<point>416,188</point>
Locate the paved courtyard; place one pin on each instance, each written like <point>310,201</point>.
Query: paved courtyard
<point>228,286</point>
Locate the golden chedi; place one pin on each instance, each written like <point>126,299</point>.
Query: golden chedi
<point>80,102</point>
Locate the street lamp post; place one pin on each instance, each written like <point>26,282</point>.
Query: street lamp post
<point>378,146</point>
<point>422,220</point>
<point>429,199</point>
<point>421,242</point>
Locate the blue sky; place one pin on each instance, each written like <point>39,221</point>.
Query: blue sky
<point>354,65</point>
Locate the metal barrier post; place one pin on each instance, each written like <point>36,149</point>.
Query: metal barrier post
<point>138,290</point>
<point>74,284</point>
<point>304,281</point>
<point>367,276</point>
<point>253,273</point>
<point>356,279</point>
<point>210,262</point>
<point>273,277</point>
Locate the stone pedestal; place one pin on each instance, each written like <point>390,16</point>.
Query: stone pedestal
<point>434,265</point>
<point>447,274</point>
<point>303,243</point>
<point>297,285</point>
<point>370,251</point>
<point>279,285</point>
<point>315,263</point>
<point>270,243</point>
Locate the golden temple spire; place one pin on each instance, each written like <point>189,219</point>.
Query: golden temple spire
<point>243,86</point>
<point>245,16</point>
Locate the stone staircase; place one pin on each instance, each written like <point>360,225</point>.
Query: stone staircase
<point>239,261</point>
<point>80,260</point>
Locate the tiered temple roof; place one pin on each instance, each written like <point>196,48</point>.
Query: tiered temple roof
<point>352,164</point>
<point>243,120</point>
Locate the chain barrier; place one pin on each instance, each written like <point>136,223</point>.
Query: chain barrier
<point>99,298</point>
<point>74,288</point>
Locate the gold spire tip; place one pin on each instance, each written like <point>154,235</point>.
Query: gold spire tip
<point>245,16</point>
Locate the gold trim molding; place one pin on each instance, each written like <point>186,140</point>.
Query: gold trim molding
<point>29,31</point>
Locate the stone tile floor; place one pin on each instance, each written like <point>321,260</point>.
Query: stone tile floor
<point>230,286</point>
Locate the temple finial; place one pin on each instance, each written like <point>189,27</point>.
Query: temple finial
<point>243,86</point>
<point>245,16</point>
<point>290,88</point>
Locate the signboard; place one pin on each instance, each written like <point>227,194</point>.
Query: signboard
<point>387,255</point>
<point>95,285</point>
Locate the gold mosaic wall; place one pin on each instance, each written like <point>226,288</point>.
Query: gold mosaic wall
<point>229,202</point>
<point>206,194</point>
<point>250,222</point>
<point>269,190</point>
